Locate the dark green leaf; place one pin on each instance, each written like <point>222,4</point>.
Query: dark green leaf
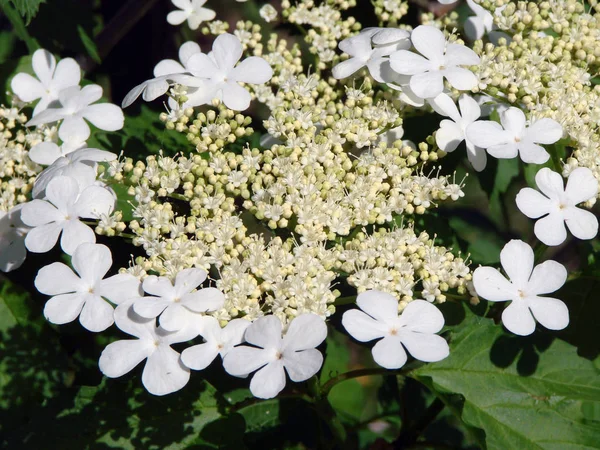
<point>27,8</point>
<point>89,44</point>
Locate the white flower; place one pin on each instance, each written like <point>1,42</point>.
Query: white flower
<point>170,66</point>
<point>447,2</point>
<point>65,204</point>
<point>163,373</point>
<point>45,153</point>
<point>479,24</point>
<point>452,132</point>
<point>76,107</point>
<point>558,205</point>
<point>218,341</point>
<point>12,239</point>
<point>371,48</point>
<point>517,137</point>
<point>395,134</point>
<point>268,13</point>
<point>80,164</point>
<point>218,76</point>
<point>295,352</point>
<point>440,60</point>
<point>83,293</point>
<point>414,329</point>
<point>51,79</point>
<point>524,289</point>
<point>177,303</point>
<point>192,11</point>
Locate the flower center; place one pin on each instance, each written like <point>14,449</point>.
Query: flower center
<point>278,355</point>
<point>176,300</point>
<point>521,293</point>
<point>517,139</point>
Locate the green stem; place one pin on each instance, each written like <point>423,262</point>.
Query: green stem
<point>326,412</point>
<point>345,300</point>
<point>178,197</point>
<point>326,388</point>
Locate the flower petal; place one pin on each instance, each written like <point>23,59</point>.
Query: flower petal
<point>422,317</point>
<point>128,321</point>
<point>57,278</point>
<point>268,381</point>
<point>533,204</point>
<point>362,327</point>
<point>551,229</point>
<point>469,108</point>
<point>550,183</point>
<point>119,288</point>
<point>491,285</point>
<point>40,212</point>
<point>45,153</point>
<point>121,357</point>
<point>550,312</point>
<point>188,49</point>
<point>67,74</point>
<point>243,360</point>
<point>477,156</point>
<point>164,373</point>
<point>41,239</point>
<point>513,120</point>
<point>300,366</point>
<point>236,97</point>
<point>448,136</point>
<point>207,299</point>
<point>159,286</point>
<point>547,277</point>
<point>424,346</point>
<point>532,153</point>
<point>264,332</point>
<point>44,64</point>
<point>63,308</point>
<point>517,319</point>
<point>405,62</point>
<point>445,106</point>
<point>97,314</point>
<point>347,68</point>
<point>460,78</point>
<point>389,353</point>
<point>26,87</point>
<point>188,280</point>
<point>105,116</point>
<point>177,17</point>
<point>460,55</point>
<point>581,223</point>
<point>74,234</point>
<point>517,261</point>
<point>544,131</point>
<point>581,186</point>
<point>232,334</point>
<point>167,67</point>
<point>253,70</point>
<point>504,151</point>
<point>227,51</point>
<point>174,317</point>
<point>379,305</point>
<point>429,42</point>
<point>150,307</point>
<point>92,262</point>
<point>485,133</point>
<point>306,331</point>
<point>62,192</point>
<point>199,357</point>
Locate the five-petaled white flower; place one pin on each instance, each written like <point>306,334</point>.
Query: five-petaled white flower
<point>295,352</point>
<point>217,341</point>
<point>452,132</point>
<point>80,164</point>
<point>163,372</point>
<point>82,293</point>
<point>515,137</point>
<point>45,153</point>
<point>414,329</point>
<point>65,204</point>
<point>12,239</point>
<point>177,303</point>
<point>440,60</point>
<point>51,79</point>
<point>558,205</point>
<point>76,107</point>
<point>371,48</point>
<point>524,289</point>
<point>218,76</point>
<point>191,10</point>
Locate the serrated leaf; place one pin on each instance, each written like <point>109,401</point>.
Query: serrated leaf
<point>525,393</point>
<point>27,8</point>
<point>89,44</point>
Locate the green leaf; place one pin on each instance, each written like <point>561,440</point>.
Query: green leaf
<point>125,202</point>
<point>507,171</point>
<point>27,8</point>
<point>17,22</point>
<point>89,44</point>
<point>525,393</point>
<point>484,245</point>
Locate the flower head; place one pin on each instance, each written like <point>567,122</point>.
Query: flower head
<point>414,329</point>
<point>83,292</point>
<point>191,10</point>
<point>524,289</point>
<point>163,372</point>
<point>295,352</point>
<point>51,79</point>
<point>12,239</point>
<point>558,204</point>
<point>439,60</point>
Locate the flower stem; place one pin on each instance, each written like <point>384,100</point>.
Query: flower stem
<point>326,388</point>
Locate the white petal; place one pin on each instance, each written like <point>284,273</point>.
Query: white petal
<point>485,133</point>
<point>389,353</point>
<point>533,204</point>
<point>244,360</point>
<point>268,381</point>
<point>62,192</point>
<point>545,131</point>
<point>133,94</point>
<point>428,84</point>
<point>119,288</point>
<point>362,327</point>
<point>227,51</point>
<point>67,74</point>
<point>199,357</point>
<point>469,108</point>
<point>347,68</point>
<point>121,357</point>
<point>207,299</point>
<point>445,106</point>
<point>551,229</point>
<point>47,116</point>
<point>128,321</point>
<point>254,70</point>
<point>477,156</point>
<point>550,312</point>
<point>177,17</point>
<point>202,66</point>
<point>387,36</point>
<point>41,239</point>
<point>491,285</point>
<point>581,185</point>
<point>581,223</point>
<point>460,78</point>
<point>459,55</point>
<point>105,116</point>
<point>75,233</point>
<point>474,28</point>
<point>188,279</point>
<point>504,151</point>
<point>305,331</point>
<point>150,307</point>
<point>164,373</point>
<point>167,67</point>
<point>425,347</point>
<point>233,334</point>
<point>422,317</point>
<point>92,154</point>
<point>57,278</point>
<point>63,308</point>
<point>513,120</point>
<point>358,46</point>
<point>174,317</point>
<point>44,64</point>
<point>264,332</point>
<point>97,315</point>
<point>429,41</point>
<point>409,63</point>
<point>517,319</point>
<point>158,286</point>
<point>236,97</point>
<point>91,262</point>
<point>448,136</point>
<point>186,50</point>
<point>532,153</point>
<point>550,183</point>
<point>155,88</point>
<point>379,305</point>
<point>26,87</point>
<point>517,261</point>
<point>39,212</point>
<point>547,277</point>
<point>300,366</point>
<point>45,153</point>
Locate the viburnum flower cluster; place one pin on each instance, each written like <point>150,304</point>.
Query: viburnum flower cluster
<point>250,241</point>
